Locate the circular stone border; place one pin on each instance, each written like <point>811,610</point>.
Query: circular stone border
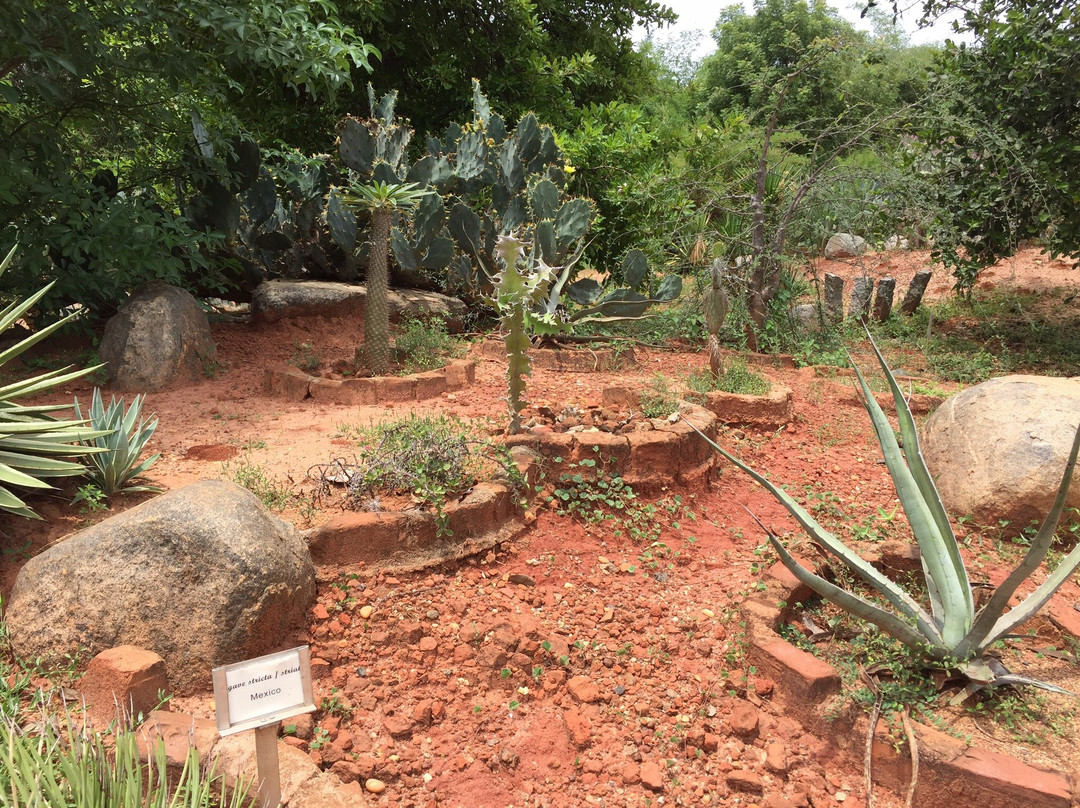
<point>667,452</point>
<point>949,769</point>
<point>295,385</point>
<point>406,541</point>
<point>569,360</point>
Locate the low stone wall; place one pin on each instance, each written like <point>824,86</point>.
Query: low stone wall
<point>666,453</point>
<point>949,769</point>
<point>293,384</point>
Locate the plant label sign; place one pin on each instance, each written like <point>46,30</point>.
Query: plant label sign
<point>263,691</point>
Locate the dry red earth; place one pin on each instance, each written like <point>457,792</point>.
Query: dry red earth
<point>574,666</point>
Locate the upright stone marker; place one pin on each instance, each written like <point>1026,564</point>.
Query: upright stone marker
<point>861,291</point>
<point>834,297</point>
<point>883,300</point>
<point>915,292</point>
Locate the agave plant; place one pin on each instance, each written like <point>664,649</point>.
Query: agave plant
<point>34,445</point>
<point>123,438</point>
<point>953,633</point>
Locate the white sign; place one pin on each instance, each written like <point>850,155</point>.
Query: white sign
<point>263,691</point>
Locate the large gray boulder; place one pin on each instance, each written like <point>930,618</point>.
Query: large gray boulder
<point>203,576</point>
<point>997,450</point>
<point>279,298</point>
<point>158,339</point>
<point>845,245</point>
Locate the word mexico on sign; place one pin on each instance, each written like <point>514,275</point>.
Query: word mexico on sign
<point>263,691</point>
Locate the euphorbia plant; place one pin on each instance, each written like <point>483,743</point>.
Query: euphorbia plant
<point>953,633</point>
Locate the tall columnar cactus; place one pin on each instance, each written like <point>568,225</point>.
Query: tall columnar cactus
<point>716,303</point>
<point>520,284</point>
<point>381,201</point>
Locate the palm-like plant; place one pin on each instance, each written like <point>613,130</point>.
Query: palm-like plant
<point>34,445</point>
<point>381,200</point>
<point>953,633</point>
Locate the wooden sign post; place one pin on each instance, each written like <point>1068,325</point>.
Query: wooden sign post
<point>257,694</point>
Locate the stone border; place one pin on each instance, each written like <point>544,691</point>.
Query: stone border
<point>295,385</point>
<point>949,770</point>
<point>568,360</point>
<point>774,409</point>
<point>406,541</point>
<point>671,452</point>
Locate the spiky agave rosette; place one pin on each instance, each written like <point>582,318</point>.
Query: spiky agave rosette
<point>953,634</point>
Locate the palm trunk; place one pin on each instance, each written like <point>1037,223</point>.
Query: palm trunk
<point>377,307</point>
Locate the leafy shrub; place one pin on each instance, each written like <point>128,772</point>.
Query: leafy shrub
<point>423,343</point>
<point>432,458</point>
<point>121,443</point>
<point>274,495</point>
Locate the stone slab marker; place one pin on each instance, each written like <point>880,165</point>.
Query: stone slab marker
<point>915,292</point>
<point>834,297</point>
<point>861,291</point>
<point>883,300</point>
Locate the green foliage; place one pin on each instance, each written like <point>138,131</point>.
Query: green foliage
<point>658,400</point>
<point>431,458</point>
<point>1002,144</point>
<point>124,435</point>
<point>52,761</point>
<point>594,492</point>
<point>305,356</point>
<point>93,499</point>
<point>423,343</point>
<point>736,378</point>
<point>547,57</point>
<point>96,127</point>
<point>275,495</point>
<point>952,633</point>
<point>33,444</point>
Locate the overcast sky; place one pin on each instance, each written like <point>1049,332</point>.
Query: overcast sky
<point>701,15</point>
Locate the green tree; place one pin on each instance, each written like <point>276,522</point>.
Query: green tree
<point>546,56</point>
<point>1004,146</point>
<point>96,102</point>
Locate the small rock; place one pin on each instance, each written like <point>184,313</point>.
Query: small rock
<point>375,786</point>
<point>521,580</point>
<point>776,757</point>
<point>744,720</point>
<point>745,781</point>
<point>708,612</point>
<point>583,689</point>
<point>367,611</point>
<point>319,612</point>
<point>579,727</point>
<point>651,776</point>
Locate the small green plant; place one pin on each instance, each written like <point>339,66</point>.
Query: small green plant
<point>305,356</point>
<point>736,378</point>
<point>93,499</point>
<point>429,457</point>
<point>596,494</point>
<point>116,464</point>
<point>319,738</point>
<point>273,494</point>
<point>952,634</point>
<point>657,400</point>
<point>423,343</point>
